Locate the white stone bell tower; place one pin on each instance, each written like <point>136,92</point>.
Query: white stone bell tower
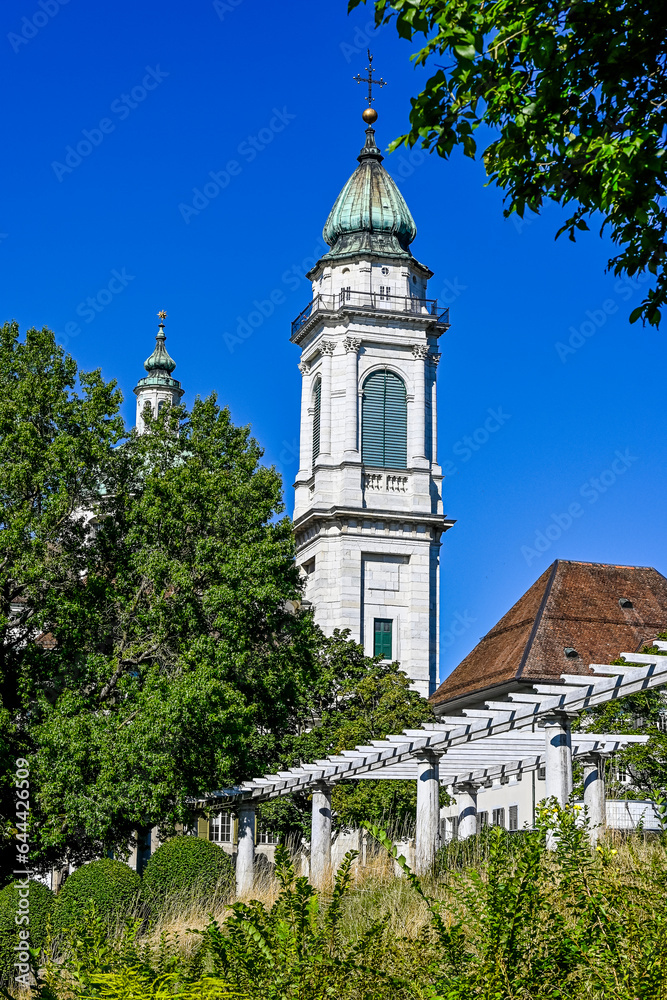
<point>368,512</point>
<point>158,388</point>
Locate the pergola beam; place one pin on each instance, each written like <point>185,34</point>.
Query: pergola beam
<point>477,729</point>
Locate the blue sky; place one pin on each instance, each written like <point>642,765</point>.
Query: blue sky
<point>162,95</point>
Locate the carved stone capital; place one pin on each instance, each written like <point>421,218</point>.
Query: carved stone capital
<point>435,359</point>
<point>304,367</point>
<point>420,352</point>
<point>328,347</point>
<point>352,344</point>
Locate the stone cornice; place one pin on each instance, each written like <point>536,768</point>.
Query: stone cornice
<point>362,514</point>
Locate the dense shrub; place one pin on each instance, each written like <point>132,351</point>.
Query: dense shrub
<point>41,903</point>
<point>111,885</point>
<point>187,867</point>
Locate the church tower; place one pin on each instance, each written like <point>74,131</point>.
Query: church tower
<point>158,388</point>
<point>368,514</point>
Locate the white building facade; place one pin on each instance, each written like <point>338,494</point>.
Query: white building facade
<point>368,514</point>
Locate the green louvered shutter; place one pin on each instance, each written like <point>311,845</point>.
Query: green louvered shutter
<point>382,635</point>
<point>384,424</point>
<point>317,393</point>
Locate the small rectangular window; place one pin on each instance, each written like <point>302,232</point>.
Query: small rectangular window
<point>383,634</point>
<point>499,817</point>
<point>220,828</point>
<point>266,836</point>
<point>541,774</point>
<point>385,291</point>
<point>514,817</point>
<point>482,820</point>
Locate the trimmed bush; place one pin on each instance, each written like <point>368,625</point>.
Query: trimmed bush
<point>40,901</point>
<point>111,885</point>
<point>187,867</point>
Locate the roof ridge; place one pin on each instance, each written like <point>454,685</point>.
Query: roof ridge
<point>538,618</point>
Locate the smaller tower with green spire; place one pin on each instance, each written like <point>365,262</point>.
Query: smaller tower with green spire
<point>158,388</point>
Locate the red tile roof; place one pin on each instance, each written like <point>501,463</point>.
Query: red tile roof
<point>573,604</point>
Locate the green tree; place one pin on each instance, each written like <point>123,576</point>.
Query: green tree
<point>573,95</point>
<point>642,714</point>
<point>359,698</point>
<point>150,650</point>
<point>58,428</point>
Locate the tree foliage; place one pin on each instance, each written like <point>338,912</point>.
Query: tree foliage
<point>148,652</point>
<point>574,93</point>
<point>641,714</point>
<point>359,699</point>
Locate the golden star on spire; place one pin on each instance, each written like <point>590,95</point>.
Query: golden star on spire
<point>162,314</point>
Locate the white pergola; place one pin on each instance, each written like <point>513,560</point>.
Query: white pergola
<point>526,730</point>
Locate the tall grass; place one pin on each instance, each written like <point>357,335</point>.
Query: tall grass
<point>501,919</point>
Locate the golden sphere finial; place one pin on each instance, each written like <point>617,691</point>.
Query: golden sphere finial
<point>369,115</point>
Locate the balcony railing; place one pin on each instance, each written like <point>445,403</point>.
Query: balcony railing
<point>375,301</point>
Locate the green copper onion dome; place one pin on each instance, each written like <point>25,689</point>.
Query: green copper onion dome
<point>160,366</point>
<point>159,361</point>
<point>370,213</point>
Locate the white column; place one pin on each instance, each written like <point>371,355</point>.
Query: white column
<point>245,855</point>
<point>558,757</point>
<point>306,434</point>
<point>320,837</point>
<point>558,761</point>
<point>594,795</point>
<point>352,345</point>
<point>419,353</point>
<point>327,348</point>
<point>466,801</point>
<point>428,811</point>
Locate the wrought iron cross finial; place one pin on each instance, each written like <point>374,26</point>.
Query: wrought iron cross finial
<point>370,79</point>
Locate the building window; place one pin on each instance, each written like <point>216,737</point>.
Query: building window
<point>385,291</point>
<point>266,836</point>
<point>542,773</point>
<point>384,421</point>
<point>498,818</point>
<point>382,630</point>
<point>143,851</point>
<point>482,820</point>
<point>317,406</point>
<point>220,828</point>
<point>514,818</point>
<point>346,293</point>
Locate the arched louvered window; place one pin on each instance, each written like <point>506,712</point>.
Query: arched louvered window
<point>317,406</point>
<point>384,421</point>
